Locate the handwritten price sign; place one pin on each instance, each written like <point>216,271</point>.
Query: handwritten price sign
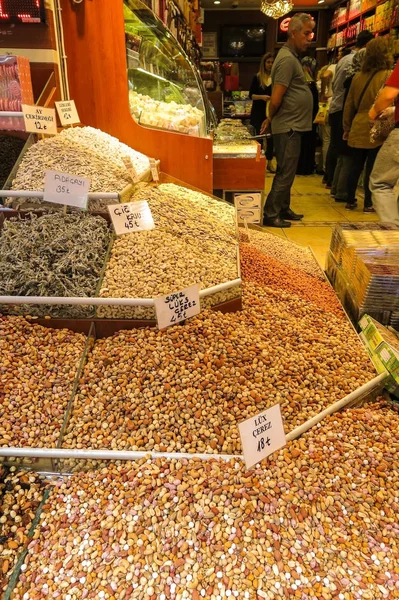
<point>69,190</point>
<point>177,307</point>
<point>67,112</point>
<point>262,435</point>
<point>131,216</point>
<point>39,120</point>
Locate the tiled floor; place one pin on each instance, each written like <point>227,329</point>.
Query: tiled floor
<point>312,199</point>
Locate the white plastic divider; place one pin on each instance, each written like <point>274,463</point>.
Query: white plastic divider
<point>106,301</point>
<point>40,194</point>
<point>8,113</point>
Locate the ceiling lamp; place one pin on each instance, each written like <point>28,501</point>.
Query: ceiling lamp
<point>276,8</point>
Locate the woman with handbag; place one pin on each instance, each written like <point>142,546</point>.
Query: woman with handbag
<point>260,92</point>
<point>385,174</point>
<point>364,88</point>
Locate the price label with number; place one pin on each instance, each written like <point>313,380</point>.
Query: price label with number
<point>177,307</point>
<point>39,120</point>
<point>69,190</point>
<point>131,217</point>
<point>67,112</point>
<point>262,435</point>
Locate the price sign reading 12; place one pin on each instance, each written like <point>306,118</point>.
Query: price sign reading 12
<point>39,120</point>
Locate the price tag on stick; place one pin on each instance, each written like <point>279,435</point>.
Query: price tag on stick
<point>67,112</point>
<point>131,216</point>
<point>39,120</point>
<point>62,188</point>
<point>129,166</point>
<point>262,435</point>
<point>154,170</point>
<point>179,306</point>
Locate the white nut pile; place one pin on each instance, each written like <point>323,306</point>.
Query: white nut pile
<point>317,521</point>
<point>183,118</point>
<point>186,388</point>
<point>87,153</point>
<point>189,245</point>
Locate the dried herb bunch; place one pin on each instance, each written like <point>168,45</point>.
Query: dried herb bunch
<point>52,255</point>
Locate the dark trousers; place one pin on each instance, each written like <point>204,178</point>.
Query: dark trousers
<point>269,148</point>
<point>361,158</point>
<point>287,148</point>
<point>335,147</point>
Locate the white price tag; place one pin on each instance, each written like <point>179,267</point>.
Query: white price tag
<point>131,217</point>
<point>154,169</point>
<point>39,120</point>
<point>248,200</point>
<point>62,188</point>
<point>179,306</point>
<point>67,112</point>
<point>129,166</point>
<point>262,435</point>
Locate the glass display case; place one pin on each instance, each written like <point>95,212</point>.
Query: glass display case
<point>165,88</point>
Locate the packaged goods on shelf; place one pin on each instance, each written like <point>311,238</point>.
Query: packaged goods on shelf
<point>354,8</point>
<point>367,4</point>
<point>340,16</point>
<point>182,118</point>
<point>383,15</point>
<point>21,493</point>
<point>39,366</point>
<point>194,241</point>
<point>165,527</point>
<point>52,255</point>
<point>84,152</point>
<point>368,23</point>
<point>15,89</point>
<point>198,381</point>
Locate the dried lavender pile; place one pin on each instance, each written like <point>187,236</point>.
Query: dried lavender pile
<point>194,242</point>
<point>87,153</point>
<point>186,388</point>
<point>52,255</point>
<point>318,521</point>
<point>20,495</point>
<point>10,149</point>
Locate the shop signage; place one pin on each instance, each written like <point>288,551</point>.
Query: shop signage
<point>262,435</point>
<point>177,307</point>
<point>129,166</point>
<point>248,207</point>
<point>69,190</point>
<point>67,112</point>
<point>209,44</point>
<point>131,217</point>
<point>39,120</point>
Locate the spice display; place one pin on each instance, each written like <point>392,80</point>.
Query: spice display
<point>52,255</point>
<point>20,495</point>
<point>286,252</point>
<point>264,270</point>
<point>10,149</point>
<point>186,388</point>
<point>317,520</point>
<point>194,242</point>
<point>77,153</point>
<point>183,118</point>
<point>37,370</point>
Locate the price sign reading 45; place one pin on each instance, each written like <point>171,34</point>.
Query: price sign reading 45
<point>131,216</point>
<point>39,120</point>
<point>177,307</point>
<point>262,435</point>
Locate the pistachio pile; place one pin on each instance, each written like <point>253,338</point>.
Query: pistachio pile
<point>20,495</point>
<point>37,370</point>
<point>318,520</point>
<point>186,388</point>
<point>194,241</point>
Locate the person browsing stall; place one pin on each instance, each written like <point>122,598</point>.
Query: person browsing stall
<point>290,115</point>
<point>260,92</point>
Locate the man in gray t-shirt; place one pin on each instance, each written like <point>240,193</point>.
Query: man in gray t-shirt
<point>290,115</point>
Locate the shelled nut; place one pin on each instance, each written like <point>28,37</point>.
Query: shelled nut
<point>317,520</point>
<point>37,370</point>
<point>186,388</point>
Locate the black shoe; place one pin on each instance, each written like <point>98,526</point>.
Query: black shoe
<point>276,222</point>
<point>339,199</point>
<point>291,216</point>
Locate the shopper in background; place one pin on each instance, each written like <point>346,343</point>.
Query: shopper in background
<point>385,174</point>
<point>325,79</point>
<point>363,90</point>
<point>307,162</point>
<point>290,115</point>
<point>260,92</point>
<point>337,145</point>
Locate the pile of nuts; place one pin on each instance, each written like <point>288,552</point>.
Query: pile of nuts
<point>186,388</point>
<point>264,270</point>
<point>37,371</point>
<point>317,520</point>
<point>20,495</point>
<point>285,252</point>
<point>194,241</point>
<point>10,149</point>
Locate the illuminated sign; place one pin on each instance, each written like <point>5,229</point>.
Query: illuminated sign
<point>22,11</point>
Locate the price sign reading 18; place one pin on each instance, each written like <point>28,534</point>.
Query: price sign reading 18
<point>62,188</point>
<point>262,435</point>
<point>39,120</point>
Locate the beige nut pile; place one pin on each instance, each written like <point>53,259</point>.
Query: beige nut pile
<point>37,370</point>
<point>317,521</point>
<point>194,242</point>
<point>186,388</point>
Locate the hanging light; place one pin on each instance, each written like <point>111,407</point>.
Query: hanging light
<point>276,8</point>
